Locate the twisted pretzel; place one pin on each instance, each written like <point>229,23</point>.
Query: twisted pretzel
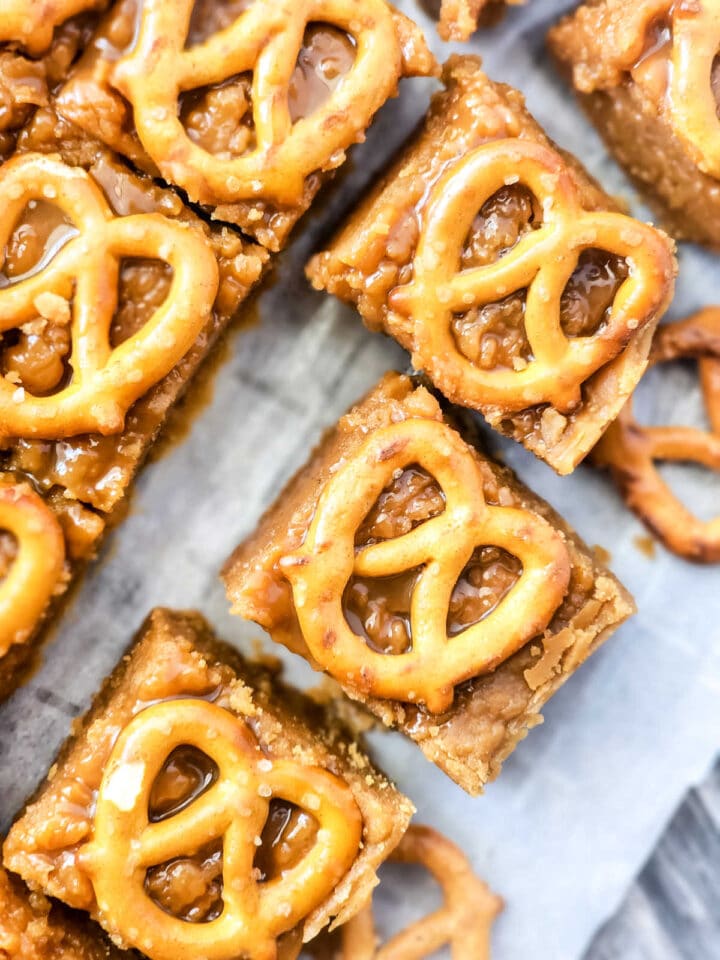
<point>37,567</point>
<point>464,922</point>
<point>542,262</point>
<point>31,23</point>
<point>126,844</point>
<point>322,567</point>
<point>630,450</point>
<point>265,39</point>
<point>689,97</point>
<point>105,382</point>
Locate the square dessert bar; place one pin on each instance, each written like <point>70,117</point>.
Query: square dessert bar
<point>505,270</point>
<point>428,581</point>
<point>33,928</point>
<point>202,808</point>
<point>112,292</point>
<point>246,107</point>
<point>648,76</point>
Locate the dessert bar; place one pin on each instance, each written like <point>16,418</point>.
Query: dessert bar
<point>202,808</point>
<point>647,74</point>
<point>505,270</point>
<point>427,580</point>
<point>245,107</point>
<point>112,292</point>
<point>31,928</point>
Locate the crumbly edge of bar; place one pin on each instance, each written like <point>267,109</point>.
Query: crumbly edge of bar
<point>315,734</point>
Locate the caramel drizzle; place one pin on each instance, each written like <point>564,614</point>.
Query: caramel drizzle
<point>631,450</point>
<point>464,921</point>
<point>266,40</point>
<point>105,381</point>
<point>442,546</point>
<point>541,262</point>
<point>37,567</point>
<point>125,843</point>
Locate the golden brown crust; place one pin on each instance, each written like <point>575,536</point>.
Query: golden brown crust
<point>31,928</point>
<point>489,714</point>
<point>459,19</point>
<point>646,73</point>
<point>255,156</point>
<point>176,657</point>
<point>631,451</point>
<point>84,477</point>
<point>482,333</point>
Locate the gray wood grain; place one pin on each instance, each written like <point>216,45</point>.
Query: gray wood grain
<point>672,911</point>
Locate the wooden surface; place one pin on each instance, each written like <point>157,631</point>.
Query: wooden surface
<point>672,911</point>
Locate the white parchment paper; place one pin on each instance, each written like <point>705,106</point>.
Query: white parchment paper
<point>582,801</point>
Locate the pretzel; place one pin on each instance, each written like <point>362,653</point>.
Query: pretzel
<point>630,450</point>
<point>37,567</point>
<point>125,844</point>
<point>31,23</point>
<point>105,382</point>
<point>265,39</point>
<point>464,922</point>
<point>688,97</point>
<point>320,570</point>
<point>541,262</point>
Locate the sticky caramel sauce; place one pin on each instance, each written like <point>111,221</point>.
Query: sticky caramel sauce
<point>190,887</point>
<point>379,609</point>
<point>493,335</point>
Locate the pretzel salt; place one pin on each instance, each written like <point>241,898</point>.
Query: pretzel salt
<point>37,567</point>
<point>266,39</point>
<point>105,381</point>
<point>464,921</point>
<point>631,450</point>
<point>320,570</point>
<point>125,844</point>
<point>542,262</point>
<point>688,97</point>
<point>31,22</point>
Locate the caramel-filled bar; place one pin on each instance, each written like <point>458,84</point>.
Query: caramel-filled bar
<point>648,75</point>
<point>428,581</point>
<point>246,107</point>
<point>112,292</point>
<point>33,928</point>
<point>505,270</point>
<point>202,808</point>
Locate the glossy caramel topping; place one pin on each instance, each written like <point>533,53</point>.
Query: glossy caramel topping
<point>31,23</point>
<point>409,616</point>
<point>269,92</point>
<point>632,450</point>
<point>463,922</point>
<point>520,304</point>
<point>188,855</point>
<point>68,278</point>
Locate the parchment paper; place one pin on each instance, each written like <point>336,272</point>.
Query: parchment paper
<point>582,801</point>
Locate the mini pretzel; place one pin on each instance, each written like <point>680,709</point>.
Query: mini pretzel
<point>125,844</point>
<point>31,22</point>
<point>630,450</point>
<point>37,567</point>
<point>464,922</point>
<point>689,98</point>
<point>105,382</point>
<point>265,39</point>
<point>542,263</point>
<point>322,567</point>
